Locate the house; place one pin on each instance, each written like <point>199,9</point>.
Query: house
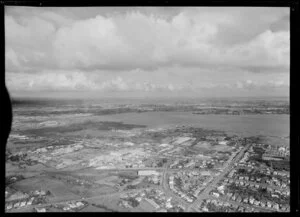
<point>16,205</point>
<point>224,142</point>
<point>276,206</point>
<point>40,209</point>
<point>72,205</point>
<point>147,172</point>
<point>189,199</point>
<point>41,192</point>
<point>226,204</point>
<point>9,206</point>
<point>125,204</point>
<point>168,204</point>
<point>277,191</point>
<point>221,189</point>
<point>139,199</point>
<point>143,194</point>
<point>29,202</point>
<point>251,200</point>
<point>256,203</point>
<point>18,196</point>
<point>215,194</point>
<point>23,203</point>
<point>79,203</point>
<point>205,209</point>
<point>240,209</point>
<point>269,204</point>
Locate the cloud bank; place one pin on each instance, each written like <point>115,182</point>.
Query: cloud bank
<point>65,49</point>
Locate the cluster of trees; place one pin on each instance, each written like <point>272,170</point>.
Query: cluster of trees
<point>244,191</point>
<point>175,209</point>
<point>258,150</point>
<point>16,157</point>
<point>279,164</point>
<point>11,179</point>
<point>261,194</point>
<point>214,208</point>
<point>161,162</point>
<point>254,173</point>
<point>103,207</point>
<point>39,200</point>
<point>133,202</point>
<point>257,158</point>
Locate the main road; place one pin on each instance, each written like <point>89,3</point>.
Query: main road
<point>215,181</point>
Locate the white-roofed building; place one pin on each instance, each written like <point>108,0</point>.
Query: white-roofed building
<point>147,172</point>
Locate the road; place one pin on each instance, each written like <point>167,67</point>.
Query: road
<point>165,185</point>
<point>130,169</point>
<point>215,181</point>
<point>169,192</point>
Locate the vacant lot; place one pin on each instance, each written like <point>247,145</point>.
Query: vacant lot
<point>59,190</point>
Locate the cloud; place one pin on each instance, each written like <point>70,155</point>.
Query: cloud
<point>269,85</point>
<point>81,81</point>
<point>281,24</point>
<point>12,59</point>
<point>147,50</point>
<point>49,81</point>
<point>67,81</point>
<point>134,39</point>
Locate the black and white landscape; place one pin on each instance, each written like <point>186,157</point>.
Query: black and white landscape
<point>148,109</point>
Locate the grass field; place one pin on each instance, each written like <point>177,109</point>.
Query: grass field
<point>59,190</point>
<point>91,208</point>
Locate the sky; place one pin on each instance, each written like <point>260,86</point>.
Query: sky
<point>147,51</point>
